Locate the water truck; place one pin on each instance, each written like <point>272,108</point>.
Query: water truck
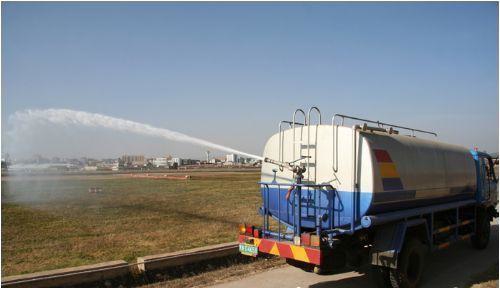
<point>337,196</point>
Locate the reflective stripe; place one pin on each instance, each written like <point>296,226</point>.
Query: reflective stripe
<point>299,253</point>
<point>283,249</point>
<point>444,245</point>
<point>275,250</point>
<point>388,170</point>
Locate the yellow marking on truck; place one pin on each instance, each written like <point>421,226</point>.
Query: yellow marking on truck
<point>275,250</point>
<point>467,236</point>
<point>388,170</point>
<point>299,253</point>
<point>466,222</point>
<point>444,245</point>
<point>256,242</point>
<point>444,229</point>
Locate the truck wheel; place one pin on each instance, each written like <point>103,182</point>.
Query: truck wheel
<point>482,236</point>
<point>410,265</point>
<point>380,276</point>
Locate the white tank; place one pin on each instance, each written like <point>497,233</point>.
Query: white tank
<point>388,172</point>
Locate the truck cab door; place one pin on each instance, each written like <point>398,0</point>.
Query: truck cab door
<point>488,179</point>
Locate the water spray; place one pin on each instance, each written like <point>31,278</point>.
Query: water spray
<point>73,117</point>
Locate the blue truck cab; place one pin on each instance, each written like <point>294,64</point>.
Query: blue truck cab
<point>487,178</point>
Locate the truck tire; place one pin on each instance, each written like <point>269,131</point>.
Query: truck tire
<point>380,276</point>
<point>410,265</point>
<point>482,236</point>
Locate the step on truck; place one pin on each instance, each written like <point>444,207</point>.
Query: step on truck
<point>357,191</point>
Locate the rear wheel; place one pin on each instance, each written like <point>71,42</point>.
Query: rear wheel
<point>410,266</point>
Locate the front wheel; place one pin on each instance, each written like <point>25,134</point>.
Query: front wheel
<point>481,238</point>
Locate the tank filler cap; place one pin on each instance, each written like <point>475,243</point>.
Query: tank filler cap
<point>366,221</point>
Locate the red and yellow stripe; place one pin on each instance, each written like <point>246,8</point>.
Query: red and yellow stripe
<point>283,249</point>
<point>388,172</point>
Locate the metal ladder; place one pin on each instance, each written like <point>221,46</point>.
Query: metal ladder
<point>303,148</point>
<point>311,159</point>
<point>307,150</point>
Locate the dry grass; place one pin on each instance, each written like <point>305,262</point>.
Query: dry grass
<point>53,222</point>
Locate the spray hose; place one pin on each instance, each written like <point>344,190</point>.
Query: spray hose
<point>287,196</point>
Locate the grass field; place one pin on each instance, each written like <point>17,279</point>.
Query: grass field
<point>51,222</point>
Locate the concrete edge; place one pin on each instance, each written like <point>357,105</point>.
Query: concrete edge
<point>113,269</point>
<point>179,258</point>
<point>69,276</point>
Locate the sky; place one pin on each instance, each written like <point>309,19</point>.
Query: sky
<point>229,72</point>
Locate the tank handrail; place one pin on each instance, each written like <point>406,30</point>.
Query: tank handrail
<point>335,160</point>
<point>309,141</point>
<point>296,185</point>
<point>295,114</point>
<point>290,123</point>
<point>309,114</point>
<point>327,187</point>
<point>354,178</point>
<point>380,124</point>
<point>293,128</point>
<point>280,140</point>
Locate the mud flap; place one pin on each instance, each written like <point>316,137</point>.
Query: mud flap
<point>389,241</point>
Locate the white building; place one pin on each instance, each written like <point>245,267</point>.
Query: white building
<point>231,158</point>
<point>177,160</point>
<point>160,162</point>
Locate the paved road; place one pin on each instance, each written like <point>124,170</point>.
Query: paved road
<point>451,267</point>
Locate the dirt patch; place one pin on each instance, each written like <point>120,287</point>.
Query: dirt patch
<point>210,274</point>
<point>486,279</point>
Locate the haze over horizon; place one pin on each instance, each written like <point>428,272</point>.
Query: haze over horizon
<point>229,72</point>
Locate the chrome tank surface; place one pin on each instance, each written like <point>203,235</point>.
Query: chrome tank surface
<point>386,171</point>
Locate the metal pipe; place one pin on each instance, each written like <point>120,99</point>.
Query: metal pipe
<point>281,136</point>
<point>381,124</point>
<point>335,132</point>
<point>298,200</point>
<point>266,188</point>
<point>309,141</point>
<point>279,211</point>
<point>279,236</point>
<point>267,210</point>
<point>293,128</point>
<point>396,215</point>
<point>353,216</point>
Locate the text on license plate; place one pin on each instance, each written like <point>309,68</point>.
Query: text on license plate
<point>247,249</point>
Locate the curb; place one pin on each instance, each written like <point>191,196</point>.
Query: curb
<point>179,258</point>
<point>114,269</point>
<point>69,276</point>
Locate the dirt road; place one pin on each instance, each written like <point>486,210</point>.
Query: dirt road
<point>452,267</point>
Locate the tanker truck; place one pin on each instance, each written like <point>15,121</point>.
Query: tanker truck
<point>357,192</point>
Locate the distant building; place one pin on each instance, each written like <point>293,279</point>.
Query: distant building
<point>133,160</point>
<point>231,158</point>
<point>160,162</point>
<point>90,168</point>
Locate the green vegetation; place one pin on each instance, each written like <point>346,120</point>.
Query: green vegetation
<point>53,222</point>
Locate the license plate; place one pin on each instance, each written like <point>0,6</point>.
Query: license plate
<point>247,249</point>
